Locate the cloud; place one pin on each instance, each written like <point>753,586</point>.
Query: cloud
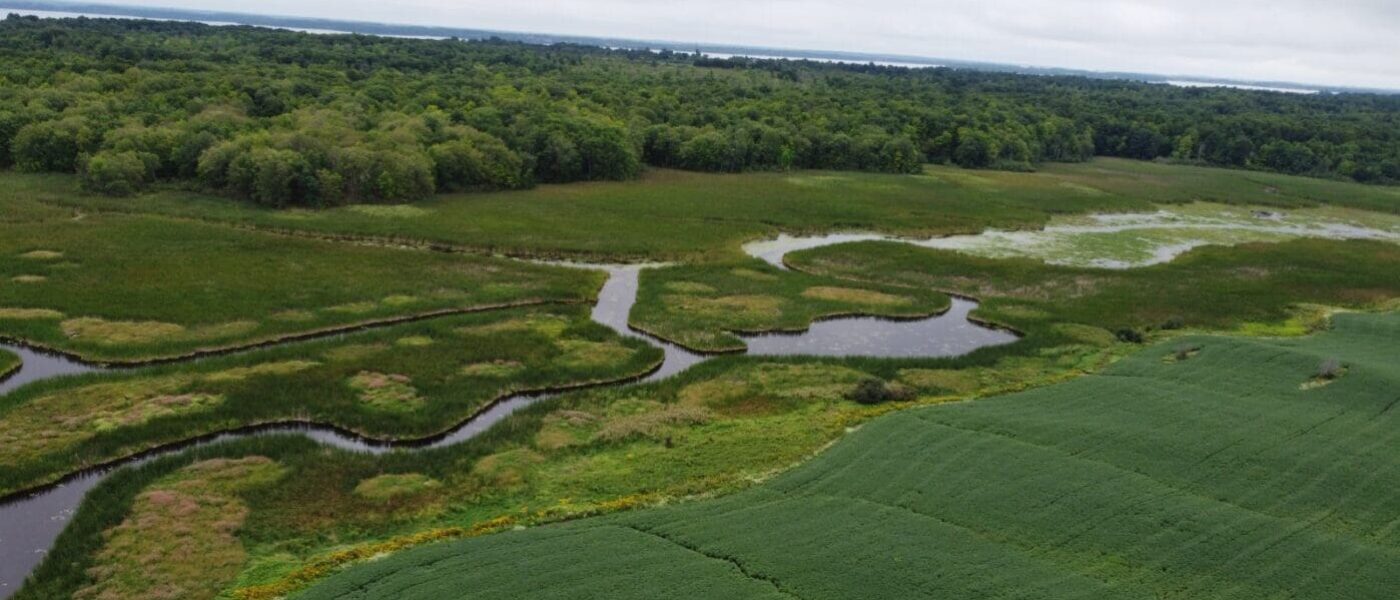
<point>1337,42</point>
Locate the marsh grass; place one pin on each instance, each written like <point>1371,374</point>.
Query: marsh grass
<point>720,426</point>
<point>1202,288</point>
<point>150,287</point>
<point>59,426</point>
<point>9,363</point>
<point>701,306</point>
<point>1082,489</point>
<point>673,215</point>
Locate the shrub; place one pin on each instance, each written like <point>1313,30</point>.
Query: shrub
<point>1174,323</point>
<point>115,173</point>
<point>1131,336</point>
<point>52,145</point>
<point>876,391</point>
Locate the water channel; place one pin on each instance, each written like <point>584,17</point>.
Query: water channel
<point>30,522</point>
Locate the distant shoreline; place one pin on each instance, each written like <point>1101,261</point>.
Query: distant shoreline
<point>50,9</point>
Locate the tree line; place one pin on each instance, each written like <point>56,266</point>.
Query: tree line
<point>284,118</point>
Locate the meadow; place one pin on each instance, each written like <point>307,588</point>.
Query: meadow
<point>693,217</point>
<point>129,288</point>
<point>1227,471</point>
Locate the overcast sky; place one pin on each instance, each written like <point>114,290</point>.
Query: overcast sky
<point>1336,42</point>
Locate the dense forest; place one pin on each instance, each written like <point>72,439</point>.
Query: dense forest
<point>283,118</point>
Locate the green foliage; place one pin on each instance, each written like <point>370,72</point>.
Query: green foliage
<point>52,145</point>
<point>876,391</point>
<point>570,113</point>
<point>117,173</point>
<point>1155,479</point>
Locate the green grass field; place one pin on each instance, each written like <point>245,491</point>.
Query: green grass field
<point>674,215</point>
<point>125,288</point>
<point>1224,471</point>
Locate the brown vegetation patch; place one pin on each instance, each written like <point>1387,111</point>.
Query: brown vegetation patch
<point>948,381</point>
<point>53,422</point>
<point>387,487</point>
<point>180,540</point>
<point>726,307</point>
<point>496,368</point>
<point>854,296</point>
<point>565,428</point>
<point>293,316</point>
<point>586,354</point>
<point>653,424</point>
<point>689,287</point>
<point>399,300</point>
<point>1021,311</point>
<point>390,392</point>
<point>353,308</point>
<point>770,389</point>
<point>354,352</point>
<point>25,314</point>
<point>754,275</point>
<point>544,323</point>
<point>1086,334</point>
<point>414,341</point>
<point>286,367</point>
<point>42,255</point>
<point>508,468</point>
<point>116,333</point>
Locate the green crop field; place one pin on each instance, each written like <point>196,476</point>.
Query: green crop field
<point>1207,467</point>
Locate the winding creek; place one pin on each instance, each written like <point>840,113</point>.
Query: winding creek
<point>31,522</point>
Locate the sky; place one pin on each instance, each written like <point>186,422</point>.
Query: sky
<point>1322,42</point>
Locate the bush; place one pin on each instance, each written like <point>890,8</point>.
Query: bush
<point>1174,323</point>
<point>876,391</point>
<point>116,173</point>
<point>52,145</point>
<point>1131,336</point>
